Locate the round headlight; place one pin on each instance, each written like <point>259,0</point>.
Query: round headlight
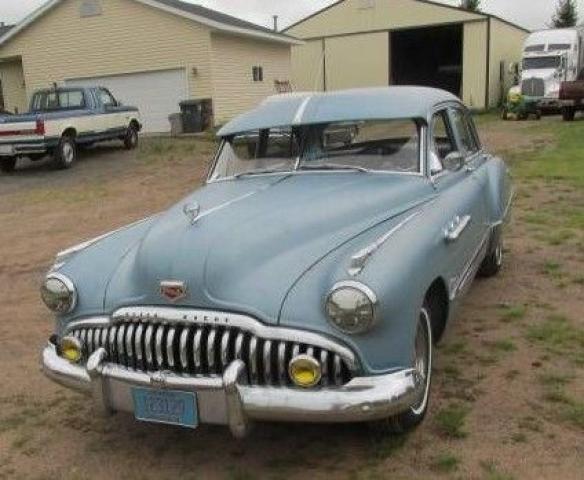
<point>351,306</point>
<point>58,293</point>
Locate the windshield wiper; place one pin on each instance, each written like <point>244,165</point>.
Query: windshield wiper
<point>333,166</point>
<point>258,172</point>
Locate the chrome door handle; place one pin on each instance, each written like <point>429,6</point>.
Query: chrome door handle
<point>455,228</point>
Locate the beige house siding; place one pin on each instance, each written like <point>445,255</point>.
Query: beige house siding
<point>234,90</point>
<point>506,46</point>
<point>308,66</point>
<point>350,16</point>
<point>13,87</point>
<point>474,61</point>
<point>127,37</point>
<point>357,61</point>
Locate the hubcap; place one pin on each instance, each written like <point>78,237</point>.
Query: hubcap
<point>499,254</point>
<point>68,153</point>
<point>423,359</point>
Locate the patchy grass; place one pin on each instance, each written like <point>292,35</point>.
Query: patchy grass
<point>502,346</point>
<point>450,421</point>
<point>455,348</point>
<point>513,312</point>
<point>384,446</point>
<point>493,471</point>
<point>445,463</point>
<point>558,336</point>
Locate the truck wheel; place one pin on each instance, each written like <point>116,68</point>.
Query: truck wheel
<point>504,114</point>
<point>65,154</point>
<point>131,138</point>
<point>7,165</point>
<point>422,364</point>
<point>538,114</point>
<point>568,114</point>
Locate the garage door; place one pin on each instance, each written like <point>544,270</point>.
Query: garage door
<point>156,94</point>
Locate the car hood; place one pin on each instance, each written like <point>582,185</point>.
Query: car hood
<point>256,236</point>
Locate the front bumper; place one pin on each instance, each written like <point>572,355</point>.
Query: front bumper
<point>227,400</point>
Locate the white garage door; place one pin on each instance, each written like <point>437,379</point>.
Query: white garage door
<point>156,94</point>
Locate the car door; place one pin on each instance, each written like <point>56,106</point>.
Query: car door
<point>113,117</point>
<point>453,162</point>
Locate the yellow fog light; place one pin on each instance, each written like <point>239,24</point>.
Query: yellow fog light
<point>304,371</point>
<point>72,349</point>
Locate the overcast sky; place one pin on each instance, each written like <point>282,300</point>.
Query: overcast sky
<point>532,14</point>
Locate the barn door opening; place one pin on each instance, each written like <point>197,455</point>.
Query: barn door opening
<point>2,105</point>
<point>430,57</point>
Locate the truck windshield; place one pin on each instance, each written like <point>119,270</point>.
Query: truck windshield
<point>380,145</point>
<point>55,100</point>
<point>542,63</point>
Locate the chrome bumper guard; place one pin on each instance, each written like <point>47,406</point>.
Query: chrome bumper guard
<point>227,400</point>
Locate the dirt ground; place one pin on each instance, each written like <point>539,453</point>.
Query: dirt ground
<point>508,391</point>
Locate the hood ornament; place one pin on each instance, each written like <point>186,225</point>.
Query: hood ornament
<point>173,290</point>
<point>192,210</point>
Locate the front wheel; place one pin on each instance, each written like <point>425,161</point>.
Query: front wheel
<point>65,154</point>
<point>131,138</point>
<point>422,365</point>
<point>8,164</point>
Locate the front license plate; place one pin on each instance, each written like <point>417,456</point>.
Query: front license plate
<point>166,406</point>
<point>6,150</point>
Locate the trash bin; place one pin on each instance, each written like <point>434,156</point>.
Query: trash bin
<point>196,115</point>
<point>176,124</point>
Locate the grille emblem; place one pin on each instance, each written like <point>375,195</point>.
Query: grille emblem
<point>173,290</point>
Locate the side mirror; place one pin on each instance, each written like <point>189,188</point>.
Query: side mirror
<point>454,161</point>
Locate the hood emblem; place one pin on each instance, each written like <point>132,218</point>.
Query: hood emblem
<point>173,290</point>
<point>192,210</point>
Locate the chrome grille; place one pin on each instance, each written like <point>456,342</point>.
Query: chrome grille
<point>205,350</point>
<point>533,87</point>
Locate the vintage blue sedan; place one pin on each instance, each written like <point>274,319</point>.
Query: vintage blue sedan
<point>306,281</point>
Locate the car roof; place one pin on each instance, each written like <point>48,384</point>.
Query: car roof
<point>305,108</point>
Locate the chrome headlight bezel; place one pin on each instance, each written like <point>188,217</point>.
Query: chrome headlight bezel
<point>364,298</point>
<point>59,285</point>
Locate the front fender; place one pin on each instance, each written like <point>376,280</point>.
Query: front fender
<point>400,273</point>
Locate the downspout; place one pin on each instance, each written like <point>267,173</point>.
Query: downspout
<point>488,78</point>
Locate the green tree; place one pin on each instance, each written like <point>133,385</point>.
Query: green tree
<point>566,14</point>
<point>472,5</point>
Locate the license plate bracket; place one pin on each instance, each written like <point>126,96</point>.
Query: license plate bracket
<point>166,406</point>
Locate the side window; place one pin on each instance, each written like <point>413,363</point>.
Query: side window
<point>442,142</point>
<point>106,98</point>
<point>462,127</point>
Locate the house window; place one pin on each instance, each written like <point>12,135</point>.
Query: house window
<point>258,74</point>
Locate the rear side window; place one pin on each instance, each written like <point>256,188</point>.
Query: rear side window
<point>466,132</point>
<point>53,100</point>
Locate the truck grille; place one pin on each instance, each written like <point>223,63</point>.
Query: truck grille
<point>205,350</point>
<point>533,87</point>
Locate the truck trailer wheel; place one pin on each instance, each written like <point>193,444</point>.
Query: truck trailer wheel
<point>65,153</point>
<point>568,114</point>
<point>8,164</point>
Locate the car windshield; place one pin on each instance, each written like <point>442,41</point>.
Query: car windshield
<point>53,100</point>
<point>380,145</point>
<point>537,63</point>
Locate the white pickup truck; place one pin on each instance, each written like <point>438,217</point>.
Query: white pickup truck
<point>60,120</point>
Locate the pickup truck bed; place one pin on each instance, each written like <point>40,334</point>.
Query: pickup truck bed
<point>572,97</point>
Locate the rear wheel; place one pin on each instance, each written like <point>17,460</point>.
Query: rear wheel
<point>65,154</point>
<point>493,262</point>
<point>131,138</point>
<point>8,164</point>
<point>568,114</point>
<point>422,365</point>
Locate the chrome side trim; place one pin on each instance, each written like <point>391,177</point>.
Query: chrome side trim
<point>471,267</point>
<point>455,229</point>
<point>507,210</point>
<point>359,260</point>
